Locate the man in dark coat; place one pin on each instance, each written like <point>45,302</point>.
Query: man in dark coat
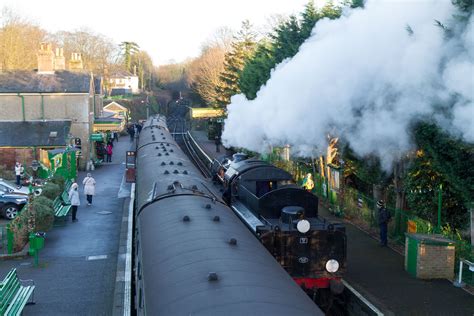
<point>383,219</point>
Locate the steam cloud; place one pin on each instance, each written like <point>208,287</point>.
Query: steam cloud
<point>364,77</point>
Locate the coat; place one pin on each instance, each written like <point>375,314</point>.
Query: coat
<point>74,197</point>
<point>89,186</point>
<point>384,216</point>
<point>108,149</point>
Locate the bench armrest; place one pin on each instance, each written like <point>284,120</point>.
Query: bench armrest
<point>27,282</point>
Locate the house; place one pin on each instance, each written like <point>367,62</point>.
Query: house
<point>25,141</point>
<point>114,118</point>
<point>50,107</point>
<point>122,82</point>
<point>119,110</point>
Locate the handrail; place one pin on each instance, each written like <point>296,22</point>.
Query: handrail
<point>459,282</point>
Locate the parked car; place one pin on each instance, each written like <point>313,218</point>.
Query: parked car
<point>11,204</point>
<point>7,187</point>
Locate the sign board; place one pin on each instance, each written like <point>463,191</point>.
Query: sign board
<point>206,112</point>
<point>97,137</point>
<point>411,226</point>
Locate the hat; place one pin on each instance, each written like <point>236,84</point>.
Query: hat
<point>74,185</point>
<point>380,204</point>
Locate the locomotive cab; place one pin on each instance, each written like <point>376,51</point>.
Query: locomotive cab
<point>311,249</point>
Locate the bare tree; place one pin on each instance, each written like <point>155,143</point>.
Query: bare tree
<point>97,51</point>
<point>19,42</point>
<point>203,74</point>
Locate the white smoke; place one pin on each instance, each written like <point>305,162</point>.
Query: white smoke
<point>365,78</point>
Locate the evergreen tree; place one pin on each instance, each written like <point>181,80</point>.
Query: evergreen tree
<point>309,17</point>
<point>257,70</point>
<point>242,49</point>
<point>128,49</point>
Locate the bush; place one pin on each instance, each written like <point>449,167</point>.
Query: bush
<point>44,213</point>
<point>19,228</point>
<point>59,181</point>
<point>51,190</point>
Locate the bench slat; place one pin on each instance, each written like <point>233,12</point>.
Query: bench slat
<point>62,211</point>
<point>13,295</point>
<point>65,198</point>
<point>20,300</point>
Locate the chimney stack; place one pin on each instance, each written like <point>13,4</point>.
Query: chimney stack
<point>59,60</point>
<point>75,64</point>
<point>45,59</point>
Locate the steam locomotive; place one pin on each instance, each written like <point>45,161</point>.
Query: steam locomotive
<point>284,217</point>
<point>193,256</point>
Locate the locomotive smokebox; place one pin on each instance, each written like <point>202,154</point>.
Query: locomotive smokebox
<point>291,214</point>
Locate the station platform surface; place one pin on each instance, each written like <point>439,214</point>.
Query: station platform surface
<point>77,270</point>
<point>378,272</point>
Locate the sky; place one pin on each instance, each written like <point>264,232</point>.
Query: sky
<point>167,30</point>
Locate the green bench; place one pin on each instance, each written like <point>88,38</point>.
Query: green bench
<point>60,209</point>
<point>97,162</point>
<point>67,185</point>
<point>65,198</point>
<point>15,294</point>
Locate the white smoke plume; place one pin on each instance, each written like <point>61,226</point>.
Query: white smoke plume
<point>364,77</point>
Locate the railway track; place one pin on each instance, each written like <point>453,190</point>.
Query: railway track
<point>179,130</point>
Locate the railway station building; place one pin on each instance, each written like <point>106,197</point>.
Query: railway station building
<point>64,102</point>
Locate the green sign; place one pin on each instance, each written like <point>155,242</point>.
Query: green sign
<point>97,137</point>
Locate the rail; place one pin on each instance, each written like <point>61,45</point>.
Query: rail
<point>459,282</point>
<point>209,160</point>
<point>196,154</point>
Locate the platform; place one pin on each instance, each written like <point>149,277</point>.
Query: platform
<point>77,268</point>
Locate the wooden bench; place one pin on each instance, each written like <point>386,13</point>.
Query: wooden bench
<point>97,162</point>
<point>60,209</point>
<point>15,293</point>
<point>67,185</point>
<point>65,198</point>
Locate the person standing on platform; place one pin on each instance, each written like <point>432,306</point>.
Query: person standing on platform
<point>89,188</point>
<point>383,217</point>
<point>75,201</point>
<point>109,151</point>
<point>18,172</point>
<point>131,132</point>
<point>217,141</point>
<point>308,183</point>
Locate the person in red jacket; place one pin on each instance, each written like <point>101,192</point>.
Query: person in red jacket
<point>109,152</point>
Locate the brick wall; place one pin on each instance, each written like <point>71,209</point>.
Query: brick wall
<point>9,156</point>
<point>435,262</point>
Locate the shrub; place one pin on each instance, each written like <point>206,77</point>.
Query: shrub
<point>51,190</point>
<point>19,228</point>
<point>44,213</point>
<point>59,181</point>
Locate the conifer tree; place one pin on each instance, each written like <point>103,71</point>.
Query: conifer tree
<point>242,49</point>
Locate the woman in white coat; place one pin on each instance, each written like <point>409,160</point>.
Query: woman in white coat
<point>75,201</point>
<point>89,187</point>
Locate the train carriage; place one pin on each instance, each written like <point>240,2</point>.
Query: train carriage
<point>193,256</point>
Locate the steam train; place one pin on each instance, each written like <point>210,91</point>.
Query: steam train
<point>284,217</point>
<point>192,254</point>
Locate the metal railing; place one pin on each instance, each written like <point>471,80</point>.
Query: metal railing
<point>460,281</point>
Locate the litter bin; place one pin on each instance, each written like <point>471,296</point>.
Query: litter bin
<point>36,242</point>
<point>429,256</point>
